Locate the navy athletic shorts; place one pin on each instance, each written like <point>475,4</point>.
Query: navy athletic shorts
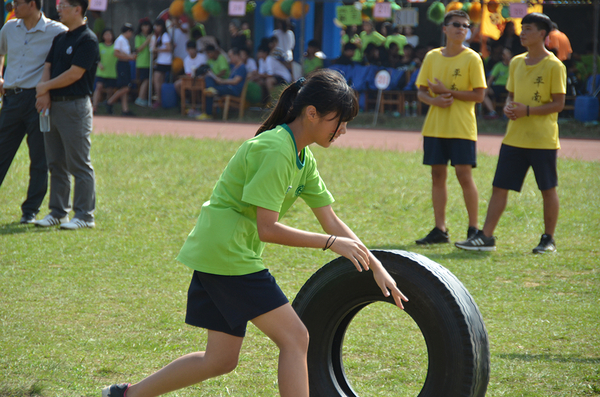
<point>514,162</point>
<point>123,74</point>
<point>438,151</point>
<point>227,303</point>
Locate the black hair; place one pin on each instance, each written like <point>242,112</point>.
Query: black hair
<point>541,21</point>
<point>455,13</point>
<point>235,50</point>
<point>38,3</point>
<point>81,3</point>
<point>127,27</point>
<point>263,48</point>
<point>350,46</point>
<point>314,43</point>
<point>143,22</point>
<point>161,23</point>
<point>190,44</point>
<point>325,89</point>
<point>107,30</point>
<point>210,48</point>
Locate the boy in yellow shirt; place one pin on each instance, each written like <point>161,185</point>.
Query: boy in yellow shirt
<point>536,94</point>
<point>451,81</point>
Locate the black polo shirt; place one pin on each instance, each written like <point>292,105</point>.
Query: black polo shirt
<point>78,47</point>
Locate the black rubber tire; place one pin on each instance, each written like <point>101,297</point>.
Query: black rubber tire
<point>445,312</point>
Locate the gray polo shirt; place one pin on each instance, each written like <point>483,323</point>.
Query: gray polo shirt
<point>26,50</point>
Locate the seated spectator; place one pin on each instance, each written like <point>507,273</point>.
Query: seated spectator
<point>312,62</point>
<point>348,54</point>
<point>372,56</point>
<point>192,61</point>
<point>233,85</point>
<point>350,36</point>
<point>497,83</point>
<point>272,71</point>
<point>106,74</point>
<point>251,66</point>
<point>408,61</point>
<point>393,56</point>
<point>124,56</point>
<point>411,38</point>
<point>217,61</point>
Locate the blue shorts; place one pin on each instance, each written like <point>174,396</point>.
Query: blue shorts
<point>438,151</point>
<point>514,162</point>
<point>143,74</point>
<point>107,83</point>
<point>227,303</point>
<point>123,74</point>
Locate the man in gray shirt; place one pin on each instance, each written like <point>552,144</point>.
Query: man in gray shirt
<point>26,41</point>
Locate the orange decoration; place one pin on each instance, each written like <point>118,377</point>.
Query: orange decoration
<point>454,5</point>
<point>176,9</point>
<point>199,13</point>
<point>475,12</point>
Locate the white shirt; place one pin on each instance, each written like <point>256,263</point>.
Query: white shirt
<point>287,42</point>
<point>27,50</point>
<point>412,40</point>
<point>191,64</point>
<point>251,65</point>
<point>275,68</point>
<point>180,40</point>
<point>122,44</point>
<point>163,58</point>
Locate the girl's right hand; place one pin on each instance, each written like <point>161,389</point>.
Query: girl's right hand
<point>353,250</point>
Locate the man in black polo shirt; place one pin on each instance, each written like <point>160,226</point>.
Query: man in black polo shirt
<point>66,88</point>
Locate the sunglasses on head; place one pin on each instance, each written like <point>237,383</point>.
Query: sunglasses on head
<point>460,25</point>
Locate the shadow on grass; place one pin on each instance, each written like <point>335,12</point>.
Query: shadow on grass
<point>431,252</point>
<point>557,358</point>
<point>16,228</point>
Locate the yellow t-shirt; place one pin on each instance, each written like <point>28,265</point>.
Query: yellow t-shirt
<point>534,85</point>
<point>462,72</point>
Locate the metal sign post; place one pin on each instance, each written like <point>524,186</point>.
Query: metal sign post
<point>382,81</point>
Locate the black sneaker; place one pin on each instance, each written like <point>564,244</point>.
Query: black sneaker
<point>119,390</point>
<point>109,108</point>
<point>546,245</point>
<point>479,242</point>
<point>436,236</point>
<point>471,231</point>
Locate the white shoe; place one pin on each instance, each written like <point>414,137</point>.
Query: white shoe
<point>50,220</point>
<point>77,223</point>
<point>141,102</point>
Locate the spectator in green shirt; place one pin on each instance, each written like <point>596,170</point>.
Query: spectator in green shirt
<point>496,83</point>
<point>312,62</point>
<point>143,35</point>
<point>217,62</point>
<point>352,37</point>
<point>106,74</point>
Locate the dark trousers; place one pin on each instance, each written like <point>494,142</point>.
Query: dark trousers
<point>18,118</point>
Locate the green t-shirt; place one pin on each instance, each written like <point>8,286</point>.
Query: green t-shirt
<point>398,39</point>
<point>358,55</point>
<point>143,57</point>
<point>312,64</point>
<point>108,61</point>
<point>218,65</point>
<point>266,171</point>
<point>500,74</point>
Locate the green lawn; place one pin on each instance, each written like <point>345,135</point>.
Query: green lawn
<point>79,310</point>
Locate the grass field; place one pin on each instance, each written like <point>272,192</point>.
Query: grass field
<point>79,310</point>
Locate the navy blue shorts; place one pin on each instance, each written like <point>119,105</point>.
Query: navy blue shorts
<point>514,162</point>
<point>123,74</point>
<point>107,83</point>
<point>143,74</point>
<point>227,303</point>
<point>438,151</point>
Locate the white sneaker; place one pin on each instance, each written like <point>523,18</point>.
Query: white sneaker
<point>141,102</point>
<point>77,223</point>
<point>50,220</point>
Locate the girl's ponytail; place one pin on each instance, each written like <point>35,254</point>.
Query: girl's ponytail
<point>282,113</point>
<point>325,89</point>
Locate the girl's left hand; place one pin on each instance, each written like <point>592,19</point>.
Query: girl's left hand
<point>387,283</point>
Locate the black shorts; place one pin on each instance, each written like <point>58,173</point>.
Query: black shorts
<point>162,68</point>
<point>499,90</point>
<point>438,151</point>
<point>514,162</point>
<point>227,303</point>
<point>106,83</point>
<point>123,74</point>
<point>143,74</point>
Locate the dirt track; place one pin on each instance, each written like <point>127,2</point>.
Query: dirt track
<point>581,149</point>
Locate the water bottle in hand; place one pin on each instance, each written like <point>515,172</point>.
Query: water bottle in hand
<point>45,120</point>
